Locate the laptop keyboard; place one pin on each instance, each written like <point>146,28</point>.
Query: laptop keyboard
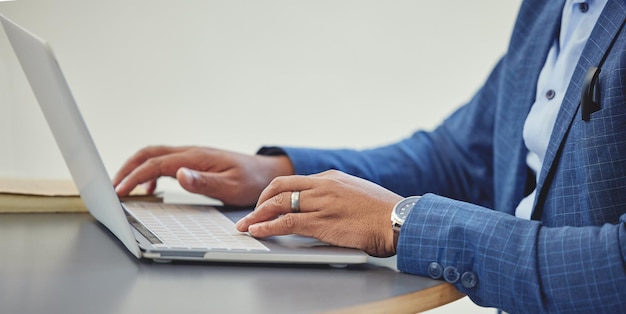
<point>189,227</point>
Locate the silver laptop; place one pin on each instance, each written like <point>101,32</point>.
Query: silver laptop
<point>162,232</point>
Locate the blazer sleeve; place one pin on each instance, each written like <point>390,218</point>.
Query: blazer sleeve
<point>513,264</point>
<point>454,160</point>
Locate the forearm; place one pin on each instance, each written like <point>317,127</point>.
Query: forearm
<point>426,162</point>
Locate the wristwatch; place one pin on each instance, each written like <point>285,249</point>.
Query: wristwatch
<point>399,214</point>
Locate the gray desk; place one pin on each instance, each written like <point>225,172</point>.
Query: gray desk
<point>69,263</point>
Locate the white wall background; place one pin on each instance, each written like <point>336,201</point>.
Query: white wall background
<point>241,74</point>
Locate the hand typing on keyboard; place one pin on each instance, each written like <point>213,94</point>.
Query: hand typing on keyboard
<point>336,208</point>
<point>233,178</point>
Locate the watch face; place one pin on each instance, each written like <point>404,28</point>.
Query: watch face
<point>403,208</point>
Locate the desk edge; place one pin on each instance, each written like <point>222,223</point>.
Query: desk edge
<point>413,302</point>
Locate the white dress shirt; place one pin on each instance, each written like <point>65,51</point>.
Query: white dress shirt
<point>578,19</point>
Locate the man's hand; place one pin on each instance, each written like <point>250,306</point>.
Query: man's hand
<point>233,178</point>
<point>336,208</point>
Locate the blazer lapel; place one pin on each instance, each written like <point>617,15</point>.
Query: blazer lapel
<point>599,41</point>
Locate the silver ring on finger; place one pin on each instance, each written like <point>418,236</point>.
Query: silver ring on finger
<point>295,202</point>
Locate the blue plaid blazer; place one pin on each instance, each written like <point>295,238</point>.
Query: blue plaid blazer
<point>571,257</point>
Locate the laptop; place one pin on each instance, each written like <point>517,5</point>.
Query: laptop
<point>162,232</point>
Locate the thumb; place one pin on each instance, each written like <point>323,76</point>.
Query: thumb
<point>191,180</point>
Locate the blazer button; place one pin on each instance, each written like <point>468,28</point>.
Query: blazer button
<point>451,274</point>
<point>435,270</point>
<point>469,279</point>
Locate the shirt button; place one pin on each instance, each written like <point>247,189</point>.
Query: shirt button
<point>451,274</point>
<point>469,279</point>
<point>550,94</point>
<point>435,270</point>
<point>583,7</point>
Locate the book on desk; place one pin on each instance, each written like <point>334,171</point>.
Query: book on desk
<point>51,196</point>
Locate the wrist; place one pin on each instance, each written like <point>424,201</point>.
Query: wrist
<point>399,215</point>
<point>276,166</point>
<point>280,163</point>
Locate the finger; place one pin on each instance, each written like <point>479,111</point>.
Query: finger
<point>137,159</point>
<point>283,225</point>
<point>206,183</point>
<point>272,208</point>
<point>286,184</point>
<point>140,157</point>
<point>275,200</point>
<point>188,179</point>
<point>150,170</point>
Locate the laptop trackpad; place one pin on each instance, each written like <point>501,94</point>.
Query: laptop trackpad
<point>295,241</point>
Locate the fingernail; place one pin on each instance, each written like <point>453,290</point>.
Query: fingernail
<point>241,221</point>
<point>119,186</point>
<point>252,229</point>
<point>190,175</point>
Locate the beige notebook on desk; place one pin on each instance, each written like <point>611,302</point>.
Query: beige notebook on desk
<point>50,196</point>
